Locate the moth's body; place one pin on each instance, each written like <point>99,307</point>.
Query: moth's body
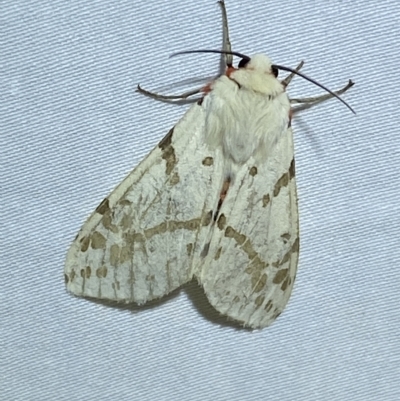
<point>242,121</point>
<point>215,200</point>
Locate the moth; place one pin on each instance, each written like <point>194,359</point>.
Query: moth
<point>215,200</point>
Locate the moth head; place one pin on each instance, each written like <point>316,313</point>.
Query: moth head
<point>257,74</point>
<point>251,70</point>
<point>260,63</point>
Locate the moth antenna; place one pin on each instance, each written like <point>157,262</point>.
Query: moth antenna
<point>300,74</point>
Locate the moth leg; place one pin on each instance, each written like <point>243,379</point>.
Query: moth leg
<point>157,96</point>
<point>322,98</point>
<point>227,59</point>
<point>285,82</point>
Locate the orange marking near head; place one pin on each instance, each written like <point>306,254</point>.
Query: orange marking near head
<point>207,89</point>
<point>229,71</point>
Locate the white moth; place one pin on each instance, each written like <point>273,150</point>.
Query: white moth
<point>215,200</point>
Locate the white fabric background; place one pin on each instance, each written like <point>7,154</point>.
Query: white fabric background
<point>72,127</point>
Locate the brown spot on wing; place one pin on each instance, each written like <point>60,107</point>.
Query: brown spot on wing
<point>116,286</point>
<point>253,171</point>
<point>85,241</point>
<point>269,305</point>
<point>265,200</point>
<point>282,182</point>
<point>208,161</point>
<point>170,159</point>
<point>259,283</point>
<point>296,245</point>
<point>206,220</point>
<point>86,272</point>
<point>285,283</point>
<point>114,255</point>
<point>218,254</point>
<point>72,275</point>
<point>250,251</point>
<point>292,170</point>
<point>205,250</point>
<point>174,178</point>
<point>126,221</point>
<point>232,233</point>
<point>103,207</point>
<point>107,222</point>
<point>166,141</point>
<point>98,241</point>
<point>168,152</point>
<point>294,248</point>
<point>280,276</point>
<point>259,300</point>
<point>125,202</point>
<point>101,272</point>
<point>221,222</point>
<point>164,227</point>
<point>125,254</point>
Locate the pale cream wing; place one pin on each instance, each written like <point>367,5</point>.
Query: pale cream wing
<point>251,264</point>
<point>140,242</point>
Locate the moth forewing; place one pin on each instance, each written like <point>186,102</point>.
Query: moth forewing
<point>138,245</point>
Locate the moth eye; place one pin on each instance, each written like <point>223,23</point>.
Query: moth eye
<point>275,71</point>
<point>243,62</point>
